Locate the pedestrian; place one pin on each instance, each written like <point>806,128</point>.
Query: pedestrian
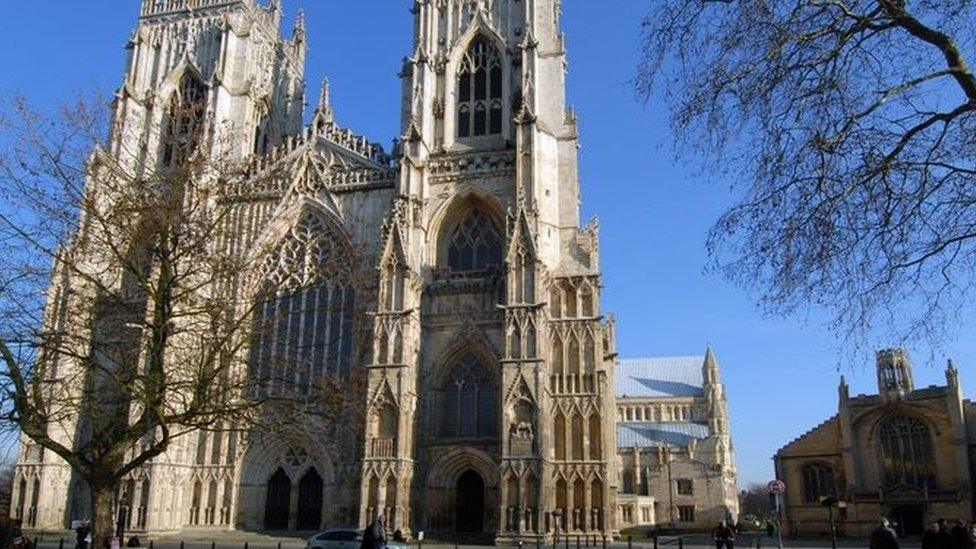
<point>770,529</point>
<point>883,537</point>
<point>724,536</point>
<point>944,536</point>
<point>81,534</point>
<point>930,538</point>
<point>375,535</point>
<point>962,537</point>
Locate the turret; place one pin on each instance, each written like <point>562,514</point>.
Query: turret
<point>718,412</point>
<point>894,374</point>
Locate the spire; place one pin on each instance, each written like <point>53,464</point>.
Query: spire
<point>323,112</point>
<point>274,10</point>
<point>710,371</point>
<point>298,34</point>
<point>844,391</point>
<point>952,374</point>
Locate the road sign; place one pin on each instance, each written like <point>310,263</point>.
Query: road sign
<point>776,487</point>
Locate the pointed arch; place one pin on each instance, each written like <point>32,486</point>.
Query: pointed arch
<point>480,85</point>
<point>573,355</point>
<point>306,299</point>
<point>185,117</point>
<point>473,217</point>
<point>596,437</point>
<point>559,436</point>
<point>468,394</point>
<point>579,447</point>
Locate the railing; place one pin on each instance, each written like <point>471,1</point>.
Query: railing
<point>572,384</point>
<point>380,448</point>
<point>160,7</point>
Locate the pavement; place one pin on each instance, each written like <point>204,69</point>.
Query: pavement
<point>190,539</point>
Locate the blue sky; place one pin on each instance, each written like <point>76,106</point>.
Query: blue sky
<point>781,373</point>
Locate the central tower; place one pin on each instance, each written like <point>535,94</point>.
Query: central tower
<point>491,389</point>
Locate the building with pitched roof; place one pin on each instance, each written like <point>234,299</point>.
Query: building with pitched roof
<point>675,451</point>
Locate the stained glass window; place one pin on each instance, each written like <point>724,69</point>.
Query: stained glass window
<point>468,401</point>
<point>906,452</point>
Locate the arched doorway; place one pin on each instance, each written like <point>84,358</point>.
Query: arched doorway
<point>909,520</point>
<point>310,501</point>
<point>277,505</point>
<point>470,503</point>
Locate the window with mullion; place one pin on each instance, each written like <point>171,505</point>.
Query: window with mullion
<point>479,93</point>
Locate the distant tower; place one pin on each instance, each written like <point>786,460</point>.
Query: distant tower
<point>894,374</point>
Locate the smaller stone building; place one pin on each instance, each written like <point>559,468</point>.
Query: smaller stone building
<point>904,453</point>
<point>675,451</point>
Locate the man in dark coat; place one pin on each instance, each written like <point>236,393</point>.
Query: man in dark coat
<point>883,537</point>
<point>724,537</point>
<point>375,535</point>
<point>961,536</point>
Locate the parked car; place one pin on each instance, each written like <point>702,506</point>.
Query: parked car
<point>344,539</point>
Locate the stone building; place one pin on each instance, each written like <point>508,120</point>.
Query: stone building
<point>491,392</point>
<point>905,453</point>
<point>674,446</point>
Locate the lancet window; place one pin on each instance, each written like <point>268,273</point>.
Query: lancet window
<point>479,94</point>
<point>818,481</point>
<point>185,121</point>
<point>304,320</point>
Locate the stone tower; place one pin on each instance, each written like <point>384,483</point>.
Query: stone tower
<point>226,59</point>
<point>895,378</point>
<point>492,400</point>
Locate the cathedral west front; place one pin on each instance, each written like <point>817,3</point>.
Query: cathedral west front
<point>452,271</point>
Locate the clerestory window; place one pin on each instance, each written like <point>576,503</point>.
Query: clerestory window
<point>479,103</point>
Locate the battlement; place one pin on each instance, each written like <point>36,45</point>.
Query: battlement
<point>154,8</point>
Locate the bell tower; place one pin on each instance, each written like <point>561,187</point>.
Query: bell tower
<point>506,370</point>
<point>894,374</point>
<point>214,73</point>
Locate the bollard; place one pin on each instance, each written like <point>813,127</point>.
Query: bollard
<point>604,542</point>
<point>279,545</point>
<point>151,543</point>
<point>630,542</point>
<point>213,545</point>
<point>654,536</point>
<point>245,545</point>
<point>538,543</point>
<point>577,541</point>
<point>61,543</point>
<point>681,543</point>
<point>566,540</point>
<point>181,544</point>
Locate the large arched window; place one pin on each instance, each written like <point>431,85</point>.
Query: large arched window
<point>468,400</point>
<point>818,482</point>
<point>184,121</point>
<point>475,244</point>
<point>906,452</point>
<point>479,94</point>
<point>305,316</point>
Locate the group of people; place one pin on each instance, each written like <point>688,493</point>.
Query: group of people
<point>374,537</point>
<point>938,535</point>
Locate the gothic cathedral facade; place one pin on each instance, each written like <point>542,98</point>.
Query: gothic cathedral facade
<point>453,270</point>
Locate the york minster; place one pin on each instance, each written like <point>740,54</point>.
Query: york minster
<point>452,271</point>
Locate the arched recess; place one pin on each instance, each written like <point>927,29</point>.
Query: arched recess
<point>310,489</point>
<point>305,293</point>
<point>467,394</point>
<point>185,117</point>
<point>442,482</point>
<point>474,205</point>
<point>480,33</point>
<point>277,504</point>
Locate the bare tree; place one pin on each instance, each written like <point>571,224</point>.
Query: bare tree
<point>121,328</point>
<point>849,129</point>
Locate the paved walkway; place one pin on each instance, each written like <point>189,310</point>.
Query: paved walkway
<point>240,540</point>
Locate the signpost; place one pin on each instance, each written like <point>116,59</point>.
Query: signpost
<point>776,489</point>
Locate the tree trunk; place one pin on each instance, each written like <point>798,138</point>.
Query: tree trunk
<point>103,521</point>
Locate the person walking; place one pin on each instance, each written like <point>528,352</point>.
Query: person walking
<point>81,535</point>
<point>884,537</point>
<point>375,535</point>
<point>724,536</point>
<point>962,537</point>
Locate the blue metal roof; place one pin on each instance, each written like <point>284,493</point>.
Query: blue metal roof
<point>660,377</point>
<point>655,435</point>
